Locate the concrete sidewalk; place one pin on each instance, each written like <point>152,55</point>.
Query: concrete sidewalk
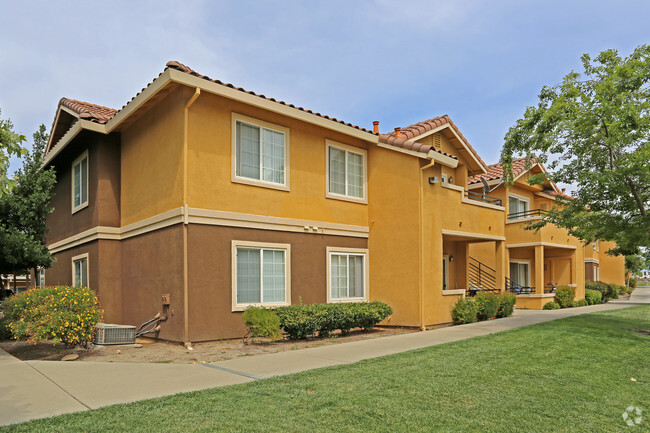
<point>37,389</point>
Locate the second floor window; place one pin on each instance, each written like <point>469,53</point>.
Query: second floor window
<point>518,207</point>
<point>80,182</point>
<point>346,173</point>
<point>261,153</point>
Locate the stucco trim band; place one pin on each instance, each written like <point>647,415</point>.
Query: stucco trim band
<point>544,244</point>
<point>472,235</point>
<point>209,217</point>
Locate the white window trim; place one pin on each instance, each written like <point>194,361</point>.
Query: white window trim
<point>366,273</point>
<point>79,257</point>
<point>75,162</point>
<point>522,262</point>
<point>287,270</point>
<point>520,198</point>
<point>40,270</point>
<point>236,117</point>
<point>352,149</point>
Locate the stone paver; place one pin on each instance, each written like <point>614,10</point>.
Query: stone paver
<point>37,389</point>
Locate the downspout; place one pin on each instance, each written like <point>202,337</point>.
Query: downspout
<point>421,230</point>
<point>186,134</point>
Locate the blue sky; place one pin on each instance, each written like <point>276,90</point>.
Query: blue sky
<point>481,62</point>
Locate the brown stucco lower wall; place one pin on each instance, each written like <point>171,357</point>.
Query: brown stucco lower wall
<point>152,265</point>
<point>210,281</point>
<point>103,274</point>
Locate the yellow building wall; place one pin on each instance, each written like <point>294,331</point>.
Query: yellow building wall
<point>612,268</point>
<point>394,241</point>
<point>210,157</point>
<point>151,154</point>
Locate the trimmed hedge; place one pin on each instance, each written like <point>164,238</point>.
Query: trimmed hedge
<point>262,323</point>
<point>564,296</point>
<point>487,305</point>
<point>580,303</point>
<point>593,297</point>
<point>551,306</point>
<point>61,314</point>
<point>607,291</point>
<point>507,302</point>
<point>304,321</point>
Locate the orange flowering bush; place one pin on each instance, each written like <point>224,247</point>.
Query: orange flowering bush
<point>60,314</point>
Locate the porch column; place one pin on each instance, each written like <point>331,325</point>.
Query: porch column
<point>539,269</point>
<point>501,268</point>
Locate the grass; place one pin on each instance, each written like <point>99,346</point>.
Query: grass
<point>569,375</point>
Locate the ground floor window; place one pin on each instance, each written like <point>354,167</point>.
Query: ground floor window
<point>80,271</point>
<point>520,273</point>
<point>347,275</point>
<point>40,277</point>
<point>260,274</point>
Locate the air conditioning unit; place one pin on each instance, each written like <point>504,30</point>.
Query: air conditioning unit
<point>106,333</point>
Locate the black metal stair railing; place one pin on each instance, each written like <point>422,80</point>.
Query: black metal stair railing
<point>481,278</point>
<point>518,289</point>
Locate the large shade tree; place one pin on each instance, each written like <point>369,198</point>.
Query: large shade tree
<point>10,145</point>
<point>23,213</point>
<point>593,130</point>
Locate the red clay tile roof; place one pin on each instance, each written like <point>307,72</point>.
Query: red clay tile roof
<point>495,171</point>
<point>87,111</point>
<point>181,67</point>
<point>420,128</point>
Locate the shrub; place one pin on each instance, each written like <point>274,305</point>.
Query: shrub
<point>593,297</point>
<point>551,306</point>
<point>5,332</point>
<point>507,302</point>
<point>464,311</point>
<point>603,288</point>
<point>612,291</point>
<point>580,303</point>
<point>633,282</point>
<point>298,321</point>
<point>262,323</point>
<point>487,305</point>
<point>564,296</point>
<point>60,314</point>
<point>304,321</point>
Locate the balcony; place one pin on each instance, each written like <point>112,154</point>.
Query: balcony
<point>483,198</point>
<point>531,213</point>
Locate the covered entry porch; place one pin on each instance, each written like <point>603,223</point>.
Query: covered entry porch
<point>537,269</point>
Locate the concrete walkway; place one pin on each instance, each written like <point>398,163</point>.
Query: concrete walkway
<point>37,389</point>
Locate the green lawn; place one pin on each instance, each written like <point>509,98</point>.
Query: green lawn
<point>570,375</point>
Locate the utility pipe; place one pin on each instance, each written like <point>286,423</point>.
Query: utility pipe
<point>421,232</point>
<point>186,296</point>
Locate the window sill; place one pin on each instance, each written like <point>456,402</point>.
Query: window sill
<point>260,183</point>
<point>346,301</point>
<point>80,207</point>
<point>242,307</point>
<point>335,196</point>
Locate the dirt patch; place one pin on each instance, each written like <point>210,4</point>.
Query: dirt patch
<point>642,331</point>
<point>163,352</point>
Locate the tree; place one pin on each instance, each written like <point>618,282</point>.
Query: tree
<point>10,144</point>
<point>23,213</point>
<point>633,266</point>
<point>594,130</point>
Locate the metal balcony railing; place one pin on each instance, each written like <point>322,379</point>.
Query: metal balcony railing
<point>527,214</point>
<point>482,197</point>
